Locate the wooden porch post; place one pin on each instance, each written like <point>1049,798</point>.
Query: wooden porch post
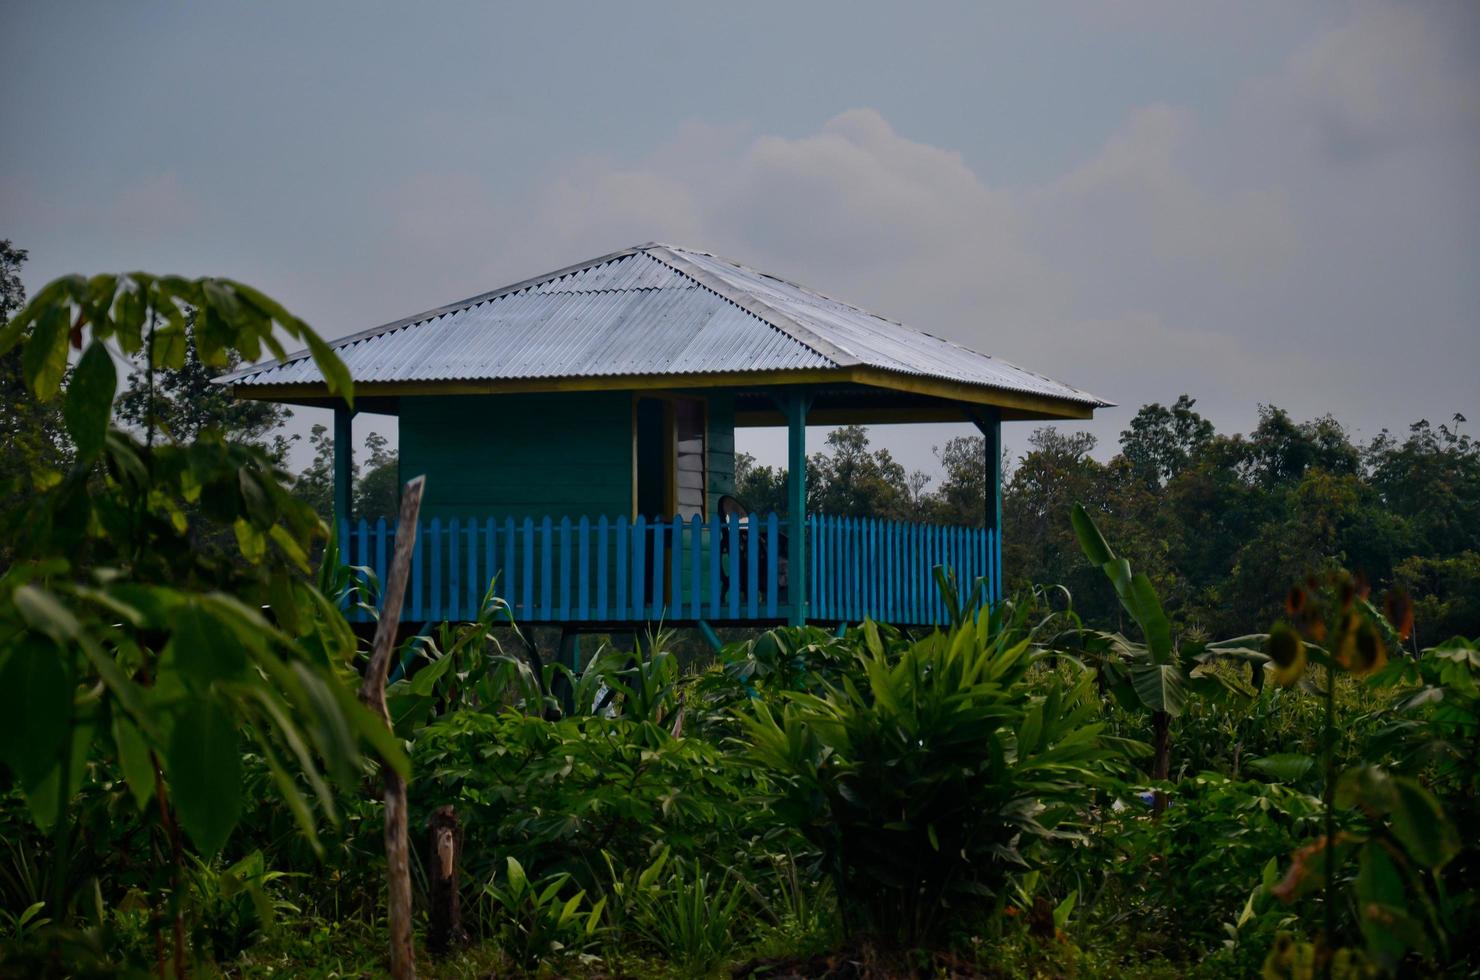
<point>796,403</point>
<point>989,422</point>
<point>343,465</point>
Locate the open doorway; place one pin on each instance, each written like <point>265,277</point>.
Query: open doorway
<point>670,448</point>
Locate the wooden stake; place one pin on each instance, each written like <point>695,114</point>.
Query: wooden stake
<point>372,694</point>
<point>444,855</point>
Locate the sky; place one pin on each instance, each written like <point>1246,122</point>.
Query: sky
<point>1256,203</point>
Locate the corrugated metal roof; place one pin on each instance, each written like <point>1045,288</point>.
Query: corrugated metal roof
<point>650,310</point>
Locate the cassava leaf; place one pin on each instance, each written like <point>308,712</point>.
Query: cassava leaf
<point>89,404</point>
<point>36,691</point>
<point>204,761</point>
<point>44,356</point>
<point>133,759</point>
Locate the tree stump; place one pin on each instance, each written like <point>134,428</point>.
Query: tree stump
<point>445,932</point>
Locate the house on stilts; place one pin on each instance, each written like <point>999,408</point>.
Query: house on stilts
<point>577,434</point>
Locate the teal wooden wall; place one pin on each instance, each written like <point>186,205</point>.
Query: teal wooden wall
<point>567,453</point>
<point>520,455</point>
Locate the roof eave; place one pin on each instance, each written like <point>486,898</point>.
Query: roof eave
<point>1015,405</point>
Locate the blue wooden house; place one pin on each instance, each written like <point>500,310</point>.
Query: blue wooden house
<point>577,434</point>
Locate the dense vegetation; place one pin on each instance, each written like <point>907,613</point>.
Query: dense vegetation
<point>1102,787</point>
<point>1217,517</point>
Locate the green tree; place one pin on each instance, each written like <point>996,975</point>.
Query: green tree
<point>130,640</point>
<point>845,479</point>
<point>961,497</point>
<point>851,481</point>
<point>760,488</point>
<point>378,491</point>
<point>184,403</point>
<point>1162,442</point>
<point>1432,480</point>
<point>33,441</point>
<point>315,485</point>
<point>1447,592</point>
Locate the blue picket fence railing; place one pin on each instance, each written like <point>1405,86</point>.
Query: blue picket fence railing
<point>616,570</point>
<point>885,570</point>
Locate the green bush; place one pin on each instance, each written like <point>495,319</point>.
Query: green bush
<point>692,917</point>
<point>560,795</point>
<point>1181,881</point>
<point>931,769</point>
<point>534,921</point>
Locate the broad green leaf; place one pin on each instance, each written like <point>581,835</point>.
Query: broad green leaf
<point>284,603</point>
<point>289,547</point>
<point>1419,822</point>
<point>518,880</point>
<point>1065,909</point>
<point>133,759</point>
<point>45,798</point>
<point>1386,922</point>
<point>44,356</point>
<point>650,874</point>
<point>129,694</point>
<point>1135,590</point>
<point>128,319</point>
<point>89,404</point>
<point>1091,541</point>
<point>1270,875</point>
<point>36,691</point>
<point>425,680</point>
<point>252,542</point>
<point>204,761</point>
<point>1287,767</point>
<point>1144,605</point>
<point>1248,911</point>
<point>170,346</point>
<point>328,362</point>
<point>41,611</point>
<point>1030,731</point>
<point>594,919</point>
<point>1159,687</point>
<point>205,649</point>
<point>220,298</point>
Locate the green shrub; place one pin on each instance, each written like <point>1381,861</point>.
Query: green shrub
<point>931,768</point>
<point>690,916</point>
<point>559,795</point>
<point>1181,881</point>
<point>533,921</point>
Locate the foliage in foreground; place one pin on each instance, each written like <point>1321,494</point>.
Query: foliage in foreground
<point>133,646</point>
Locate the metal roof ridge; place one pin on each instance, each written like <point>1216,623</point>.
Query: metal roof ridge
<point>877,316</point>
<point>431,314</point>
<point>672,256</point>
<point>799,286</point>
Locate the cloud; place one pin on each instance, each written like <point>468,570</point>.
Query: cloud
<point>1306,245</point>
<point>1391,76</point>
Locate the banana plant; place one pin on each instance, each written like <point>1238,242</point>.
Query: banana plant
<point>1152,674</point>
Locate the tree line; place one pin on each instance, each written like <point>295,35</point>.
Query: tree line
<point>1217,520</point>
